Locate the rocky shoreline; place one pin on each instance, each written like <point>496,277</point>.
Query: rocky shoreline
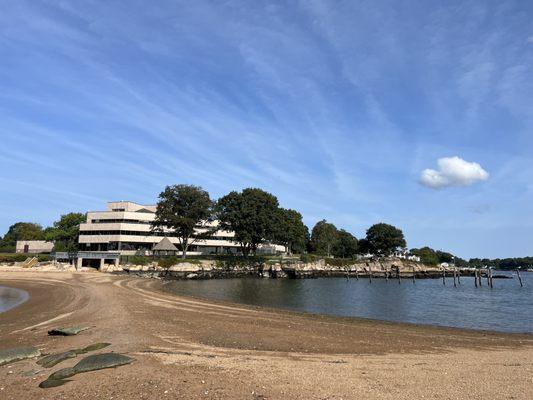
<point>385,268</point>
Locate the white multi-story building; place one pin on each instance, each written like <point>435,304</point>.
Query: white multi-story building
<point>125,227</point>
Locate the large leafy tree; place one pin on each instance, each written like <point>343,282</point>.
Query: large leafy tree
<point>292,232</point>
<point>427,255</point>
<point>323,237</point>
<point>65,232</point>
<point>184,211</point>
<point>22,231</point>
<point>384,238</point>
<point>346,245</point>
<point>252,215</point>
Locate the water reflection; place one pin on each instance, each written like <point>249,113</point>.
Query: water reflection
<point>506,307</point>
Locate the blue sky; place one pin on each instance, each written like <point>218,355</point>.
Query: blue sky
<point>342,109</point>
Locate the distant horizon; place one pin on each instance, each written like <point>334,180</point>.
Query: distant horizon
<point>416,115</point>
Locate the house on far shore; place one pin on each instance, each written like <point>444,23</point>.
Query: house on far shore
<point>34,246</point>
<point>404,254</point>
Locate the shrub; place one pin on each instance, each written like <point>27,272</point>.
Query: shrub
<point>308,258</point>
<point>43,257</point>
<point>139,260</point>
<point>14,257</point>
<point>168,262</point>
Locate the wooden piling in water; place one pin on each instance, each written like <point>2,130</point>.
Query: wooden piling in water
<point>356,274</point>
<point>490,278</point>
<point>519,277</point>
<point>454,278</point>
<point>370,274</point>
<point>444,276</point>
<point>458,276</point>
<point>475,277</point>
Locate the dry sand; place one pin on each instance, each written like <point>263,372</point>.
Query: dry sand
<point>194,349</point>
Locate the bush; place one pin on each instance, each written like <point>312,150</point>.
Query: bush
<point>308,258</point>
<point>139,260</point>
<point>43,257</point>
<point>14,257</point>
<point>168,262</point>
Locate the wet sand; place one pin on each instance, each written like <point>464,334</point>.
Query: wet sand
<point>190,348</point>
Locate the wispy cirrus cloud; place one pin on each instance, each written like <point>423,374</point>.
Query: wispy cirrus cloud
<point>335,109</point>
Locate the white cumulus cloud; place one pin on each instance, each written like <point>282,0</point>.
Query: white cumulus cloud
<point>453,171</point>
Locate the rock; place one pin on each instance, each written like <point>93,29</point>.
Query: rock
<point>101,361</point>
<point>74,330</point>
<point>31,372</point>
<point>92,347</point>
<point>90,363</point>
<point>53,359</point>
<point>17,354</point>
<point>62,374</point>
<point>50,383</point>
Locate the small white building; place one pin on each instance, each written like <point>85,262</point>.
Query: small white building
<point>34,246</point>
<point>404,254</point>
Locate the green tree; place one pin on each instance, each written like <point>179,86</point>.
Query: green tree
<point>384,238</point>
<point>65,232</point>
<point>252,215</point>
<point>323,237</point>
<point>291,231</point>
<point>185,211</point>
<point>427,255</point>
<point>346,245</point>
<point>364,246</point>
<point>22,231</point>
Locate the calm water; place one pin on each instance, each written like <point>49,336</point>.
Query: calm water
<point>507,307</point>
<point>11,297</point>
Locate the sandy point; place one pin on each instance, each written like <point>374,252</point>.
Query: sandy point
<point>188,348</point>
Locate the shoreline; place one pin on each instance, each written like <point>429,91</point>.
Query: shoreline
<point>5,292</point>
<point>237,349</point>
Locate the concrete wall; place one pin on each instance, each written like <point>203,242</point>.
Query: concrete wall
<point>34,246</point>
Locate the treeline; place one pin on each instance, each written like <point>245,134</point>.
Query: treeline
<point>433,257</point>
<point>503,263</point>
<point>255,217</point>
<point>64,232</point>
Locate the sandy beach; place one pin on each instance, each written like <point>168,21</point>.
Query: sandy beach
<point>188,348</point>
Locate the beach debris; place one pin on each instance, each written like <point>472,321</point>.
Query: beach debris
<point>71,331</point>
<point>53,359</point>
<point>18,353</point>
<point>30,262</point>
<point>90,363</point>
